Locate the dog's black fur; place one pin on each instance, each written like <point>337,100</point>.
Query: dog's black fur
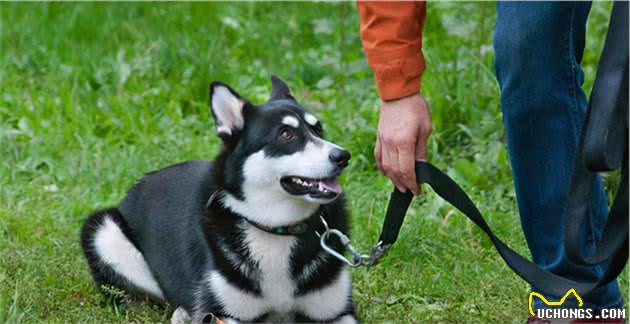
<point>182,236</point>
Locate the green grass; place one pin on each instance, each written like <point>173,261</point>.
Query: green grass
<point>94,95</point>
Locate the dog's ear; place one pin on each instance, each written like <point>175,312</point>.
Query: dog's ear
<point>227,109</point>
<point>279,89</point>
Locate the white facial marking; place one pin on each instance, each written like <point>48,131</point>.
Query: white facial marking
<point>266,202</point>
<point>115,249</point>
<point>310,119</point>
<point>291,121</point>
<point>228,110</point>
<point>270,207</point>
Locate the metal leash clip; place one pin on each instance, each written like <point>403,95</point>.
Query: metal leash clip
<point>358,259</point>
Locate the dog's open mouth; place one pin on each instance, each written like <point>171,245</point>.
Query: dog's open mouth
<point>327,188</point>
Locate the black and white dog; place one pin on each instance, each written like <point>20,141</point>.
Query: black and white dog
<point>237,237</point>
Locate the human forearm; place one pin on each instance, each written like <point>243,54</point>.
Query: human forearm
<point>391,33</point>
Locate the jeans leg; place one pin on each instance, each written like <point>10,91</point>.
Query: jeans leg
<point>538,47</point>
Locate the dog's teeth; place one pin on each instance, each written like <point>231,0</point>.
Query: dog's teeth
<point>303,183</point>
<point>299,181</point>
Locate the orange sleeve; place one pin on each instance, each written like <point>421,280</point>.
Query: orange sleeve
<point>391,33</point>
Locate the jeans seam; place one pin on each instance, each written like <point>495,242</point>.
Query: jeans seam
<point>589,235</point>
<point>572,76</point>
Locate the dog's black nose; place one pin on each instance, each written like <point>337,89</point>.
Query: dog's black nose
<point>339,157</point>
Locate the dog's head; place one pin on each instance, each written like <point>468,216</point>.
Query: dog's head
<point>274,153</point>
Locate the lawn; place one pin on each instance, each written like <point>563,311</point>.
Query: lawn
<point>94,95</point>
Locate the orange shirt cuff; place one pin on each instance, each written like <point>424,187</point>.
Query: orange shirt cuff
<point>398,78</point>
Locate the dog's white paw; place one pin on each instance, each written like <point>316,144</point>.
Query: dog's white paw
<point>348,319</point>
<point>180,316</point>
<point>229,321</point>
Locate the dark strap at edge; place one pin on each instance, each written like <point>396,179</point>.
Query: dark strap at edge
<point>608,102</point>
<point>604,146</point>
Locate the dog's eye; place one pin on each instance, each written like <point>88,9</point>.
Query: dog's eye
<point>286,135</point>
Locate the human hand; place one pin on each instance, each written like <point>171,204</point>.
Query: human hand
<point>404,127</point>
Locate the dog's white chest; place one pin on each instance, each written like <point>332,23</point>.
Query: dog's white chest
<point>273,255</point>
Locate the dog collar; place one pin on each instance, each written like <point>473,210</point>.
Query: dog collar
<point>312,224</point>
<point>293,229</point>
<point>287,230</point>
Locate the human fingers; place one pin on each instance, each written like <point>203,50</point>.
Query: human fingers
<point>390,164</point>
<point>378,154</point>
<point>406,162</point>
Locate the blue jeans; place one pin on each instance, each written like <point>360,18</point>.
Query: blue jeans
<point>538,47</point>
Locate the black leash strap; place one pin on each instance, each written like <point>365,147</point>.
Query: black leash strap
<point>543,280</point>
<point>603,147</point>
<point>609,98</point>
<point>605,129</point>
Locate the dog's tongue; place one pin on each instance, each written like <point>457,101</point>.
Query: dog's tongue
<point>330,185</point>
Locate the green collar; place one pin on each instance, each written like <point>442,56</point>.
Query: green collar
<point>289,230</point>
